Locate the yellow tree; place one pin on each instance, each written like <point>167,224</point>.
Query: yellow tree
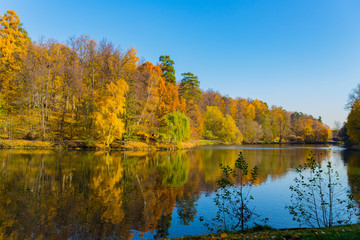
<point>212,121</point>
<point>219,102</point>
<point>147,98</point>
<point>196,121</point>
<point>13,43</point>
<point>234,111</point>
<point>128,70</point>
<point>260,110</point>
<point>229,131</point>
<point>308,132</point>
<point>110,107</point>
<point>353,123</point>
<point>281,121</point>
<point>218,126</point>
<point>249,112</point>
<point>325,133</point>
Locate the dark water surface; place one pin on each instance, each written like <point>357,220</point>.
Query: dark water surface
<point>94,195</point>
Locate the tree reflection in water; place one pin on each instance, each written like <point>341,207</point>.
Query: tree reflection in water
<point>352,160</point>
<point>94,195</point>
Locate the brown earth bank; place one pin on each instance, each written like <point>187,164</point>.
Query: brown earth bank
<point>124,145</point>
<point>117,145</point>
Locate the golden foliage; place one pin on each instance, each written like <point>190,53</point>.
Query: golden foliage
<point>110,107</point>
<point>108,190</point>
<point>88,91</point>
<point>353,122</point>
<point>13,44</point>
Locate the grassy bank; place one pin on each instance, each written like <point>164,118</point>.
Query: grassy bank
<point>338,232</point>
<point>27,144</point>
<point>117,145</point>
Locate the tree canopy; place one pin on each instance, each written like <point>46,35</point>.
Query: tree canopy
<point>93,91</point>
<point>167,66</point>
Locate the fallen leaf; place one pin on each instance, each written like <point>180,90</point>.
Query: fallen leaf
<point>223,235</point>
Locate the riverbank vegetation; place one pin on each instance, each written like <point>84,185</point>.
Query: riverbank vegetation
<point>351,129</point>
<point>349,133</point>
<point>338,232</point>
<point>83,90</point>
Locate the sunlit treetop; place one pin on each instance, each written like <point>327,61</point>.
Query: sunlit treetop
<point>167,66</point>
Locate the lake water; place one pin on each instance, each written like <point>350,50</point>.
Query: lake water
<point>93,195</point>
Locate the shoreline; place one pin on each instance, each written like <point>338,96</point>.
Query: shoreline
<point>351,231</point>
<point>115,146</point>
<point>130,145</point>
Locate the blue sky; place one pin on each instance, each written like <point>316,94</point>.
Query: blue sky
<point>302,55</point>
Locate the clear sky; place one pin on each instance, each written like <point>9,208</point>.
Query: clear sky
<point>303,55</point>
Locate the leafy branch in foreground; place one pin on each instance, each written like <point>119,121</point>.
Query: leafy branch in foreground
<point>232,198</point>
<point>318,199</point>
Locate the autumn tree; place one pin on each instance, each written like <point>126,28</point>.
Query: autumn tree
<point>261,109</point>
<point>128,71</point>
<point>234,111</point>
<point>207,99</point>
<point>111,88</point>
<point>169,100</point>
<point>147,99</point>
<point>308,132</point>
<point>252,131</point>
<point>247,123</point>
<point>281,122</point>
<point>110,107</point>
<point>353,124</point>
<point>218,126</point>
<point>219,101</point>
<point>87,68</point>
<point>229,131</point>
<point>13,44</point>
<point>212,121</point>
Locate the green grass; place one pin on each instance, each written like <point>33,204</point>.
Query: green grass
<point>338,232</point>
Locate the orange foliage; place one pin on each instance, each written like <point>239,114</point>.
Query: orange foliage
<point>169,100</point>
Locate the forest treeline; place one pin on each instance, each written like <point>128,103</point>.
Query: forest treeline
<point>85,90</point>
<point>350,131</point>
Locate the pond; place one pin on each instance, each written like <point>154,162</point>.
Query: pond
<point>93,195</point>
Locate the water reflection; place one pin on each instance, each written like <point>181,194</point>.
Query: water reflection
<point>352,160</point>
<point>93,195</point>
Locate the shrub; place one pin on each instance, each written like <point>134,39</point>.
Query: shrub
<point>318,199</point>
<point>175,128</point>
<point>232,198</point>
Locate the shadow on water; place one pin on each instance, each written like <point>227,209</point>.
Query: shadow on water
<point>352,160</point>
